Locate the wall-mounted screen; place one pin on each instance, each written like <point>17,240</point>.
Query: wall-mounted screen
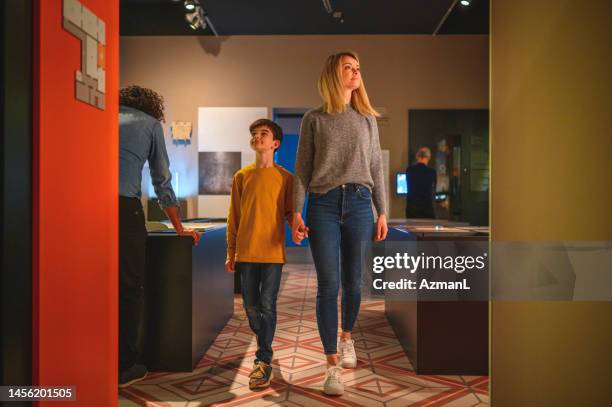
<point>401,185</point>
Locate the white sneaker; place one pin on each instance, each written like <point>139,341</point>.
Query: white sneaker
<point>348,358</point>
<point>333,382</point>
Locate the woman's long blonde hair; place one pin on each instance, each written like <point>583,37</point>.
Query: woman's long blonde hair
<point>330,88</point>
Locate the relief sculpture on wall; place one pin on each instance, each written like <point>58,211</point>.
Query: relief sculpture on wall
<point>90,80</point>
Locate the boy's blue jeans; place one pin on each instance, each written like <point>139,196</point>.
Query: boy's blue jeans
<point>260,284</point>
<point>338,221</point>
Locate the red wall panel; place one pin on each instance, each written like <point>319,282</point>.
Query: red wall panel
<point>75,213</point>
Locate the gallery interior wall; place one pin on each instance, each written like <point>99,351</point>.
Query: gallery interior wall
<point>401,72</point>
<point>551,179</point>
<point>75,213</point>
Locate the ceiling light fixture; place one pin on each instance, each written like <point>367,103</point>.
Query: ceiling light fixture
<point>337,15</point>
<point>190,5</point>
<point>196,19</point>
<point>328,7</point>
<point>466,2</point>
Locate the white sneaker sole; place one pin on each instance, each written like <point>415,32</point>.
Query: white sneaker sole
<point>334,392</point>
<point>349,364</point>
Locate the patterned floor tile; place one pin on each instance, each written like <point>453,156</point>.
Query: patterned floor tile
<point>383,377</point>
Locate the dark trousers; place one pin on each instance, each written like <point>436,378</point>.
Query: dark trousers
<point>132,246</point>
<point>260,284</point>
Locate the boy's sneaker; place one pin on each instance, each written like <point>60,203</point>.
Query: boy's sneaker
<point>260,376</point>
<point>333,385</point>
<point>348,358</point>
<point>132,375</point>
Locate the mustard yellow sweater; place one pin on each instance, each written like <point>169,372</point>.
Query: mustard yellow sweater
<point>261,202</point>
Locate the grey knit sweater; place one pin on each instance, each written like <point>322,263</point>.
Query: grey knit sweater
<point>336,149</point>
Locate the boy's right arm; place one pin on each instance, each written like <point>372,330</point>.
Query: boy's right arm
<point>233,221</point>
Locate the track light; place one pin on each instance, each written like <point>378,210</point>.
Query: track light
<point>190,5</point>
<point>196,19</point>
<point>466,2</point>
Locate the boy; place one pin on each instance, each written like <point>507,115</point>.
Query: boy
<point>261,201</point>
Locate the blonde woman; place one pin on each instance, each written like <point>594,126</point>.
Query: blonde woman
<point>339,164</point>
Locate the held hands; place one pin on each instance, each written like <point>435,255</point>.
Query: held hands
<point>299,231</point>
<point>381,228</point>
<point>195,235</point>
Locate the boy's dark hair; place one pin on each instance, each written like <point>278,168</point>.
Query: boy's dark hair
<point>143,99</point>
<point>277,132</point>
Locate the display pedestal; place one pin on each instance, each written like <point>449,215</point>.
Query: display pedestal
<point>441,337</point>
<point>188,298</point>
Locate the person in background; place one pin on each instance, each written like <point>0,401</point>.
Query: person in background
<point>141,139</point>
<point>261,202</point>
<point>421,181</point>
<point>339,163</point>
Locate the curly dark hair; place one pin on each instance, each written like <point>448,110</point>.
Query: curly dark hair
<point>143,99</point>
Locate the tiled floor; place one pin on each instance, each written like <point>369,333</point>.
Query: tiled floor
<point>383,377</point>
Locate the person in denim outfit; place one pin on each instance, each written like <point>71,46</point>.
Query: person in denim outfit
<point>339,164</point>
<point>141,139</point>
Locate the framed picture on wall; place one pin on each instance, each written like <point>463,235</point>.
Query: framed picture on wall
<point>216,170</point>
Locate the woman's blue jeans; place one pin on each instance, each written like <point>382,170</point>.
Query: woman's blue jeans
<point>338,221</point>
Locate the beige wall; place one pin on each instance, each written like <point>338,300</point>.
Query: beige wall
<point>551,179</point>
<point>401,72</point>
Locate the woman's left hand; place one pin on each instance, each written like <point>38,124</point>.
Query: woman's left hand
<point>381,228</point>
